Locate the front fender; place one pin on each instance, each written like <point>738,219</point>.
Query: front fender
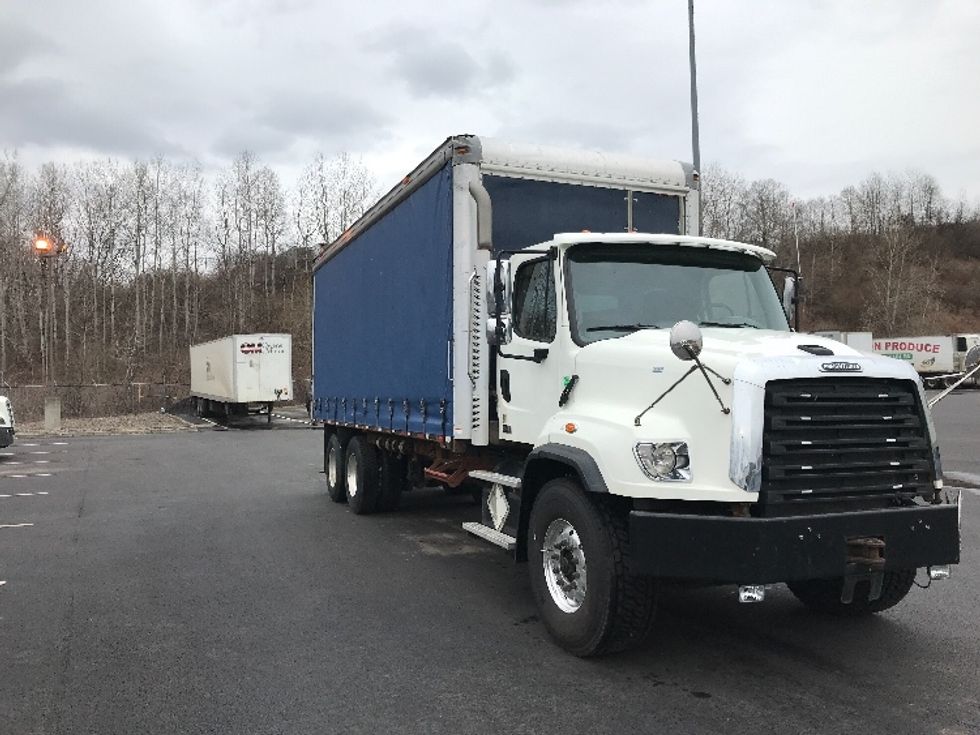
<point>579,460</point>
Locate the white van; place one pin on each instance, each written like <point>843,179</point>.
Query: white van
<point>7,428</point>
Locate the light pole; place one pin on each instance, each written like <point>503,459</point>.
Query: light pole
<point>47,248</point>
<point>695,132</point>
<point>695,135</point>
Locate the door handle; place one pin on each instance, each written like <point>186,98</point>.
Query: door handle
<point>540,355</point>
<point>567,391</point>
<point>505,385</point>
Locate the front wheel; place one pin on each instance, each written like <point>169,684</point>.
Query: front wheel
<point>823,595</point>
<point>579,558</point>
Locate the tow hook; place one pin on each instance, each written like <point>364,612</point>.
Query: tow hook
<point>865,561</point>
<point>751,593</point>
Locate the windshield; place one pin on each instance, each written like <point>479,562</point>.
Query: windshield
<point>614,290</point>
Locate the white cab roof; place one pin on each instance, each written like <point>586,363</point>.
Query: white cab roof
<point>691,241</point>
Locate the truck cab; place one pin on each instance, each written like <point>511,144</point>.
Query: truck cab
<point>674,420</point>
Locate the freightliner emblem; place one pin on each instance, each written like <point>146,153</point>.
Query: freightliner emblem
<point>839,366</point>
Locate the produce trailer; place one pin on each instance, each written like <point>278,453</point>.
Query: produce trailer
<point>940,360</point>
<point>627,398</point>
<point>241,374</point>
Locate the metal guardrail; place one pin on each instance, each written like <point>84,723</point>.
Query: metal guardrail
<point>95,399</point>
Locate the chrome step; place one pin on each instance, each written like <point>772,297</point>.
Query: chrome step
<point>496,478</point>
<point>488,534</point>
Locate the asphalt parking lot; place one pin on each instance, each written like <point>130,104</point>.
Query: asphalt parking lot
<point>202,582</point>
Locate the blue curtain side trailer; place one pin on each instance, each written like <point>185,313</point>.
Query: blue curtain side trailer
<point>398,311</point>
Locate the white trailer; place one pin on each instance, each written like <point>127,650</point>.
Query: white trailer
<point>860,341</point>
<point>241,374</point>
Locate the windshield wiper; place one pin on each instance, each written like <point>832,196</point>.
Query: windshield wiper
<point>729,324</point>
<point>622,327</point>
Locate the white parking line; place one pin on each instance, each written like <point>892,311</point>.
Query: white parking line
<point>30,445</point>
<point>290,418</point>
<point>10,463</point>
<point>19,477</point>
<point>42,461</point>
<point>16,525</point>
<point>43,474</point>
<point>6,496</point>
<point>24,495</point>
<point>59,444</point>
<point>40,452</point>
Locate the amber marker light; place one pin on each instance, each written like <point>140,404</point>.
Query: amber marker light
<point>570,428</point>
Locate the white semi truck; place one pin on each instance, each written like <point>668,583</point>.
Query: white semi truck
<point>241,374</point>
<point>629,396</point>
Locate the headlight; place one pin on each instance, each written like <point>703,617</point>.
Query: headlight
<point>668,461</point>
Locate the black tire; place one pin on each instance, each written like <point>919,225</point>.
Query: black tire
<point>361,476</point>
<point>394,472</point>
<point>618,608</point>
<point>823,595</point>
<point>333,468</point>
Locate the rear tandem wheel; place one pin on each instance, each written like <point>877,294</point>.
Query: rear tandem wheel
<point>333,468</point>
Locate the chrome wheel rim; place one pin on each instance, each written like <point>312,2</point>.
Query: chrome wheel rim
<point>563,558</point>
<point>352,476</point>
<point>332,474</point>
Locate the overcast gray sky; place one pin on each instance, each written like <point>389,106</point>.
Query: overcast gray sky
<point>815,94</point>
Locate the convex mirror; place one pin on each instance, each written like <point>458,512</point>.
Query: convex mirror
<point>500,330</point>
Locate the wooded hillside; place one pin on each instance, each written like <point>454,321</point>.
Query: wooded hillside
<point>890,255</point>
<point>160,256</point>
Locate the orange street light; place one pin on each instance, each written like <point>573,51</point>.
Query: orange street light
<point>45,247</point>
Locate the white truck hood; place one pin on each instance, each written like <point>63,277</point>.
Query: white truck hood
<point>619,378</point>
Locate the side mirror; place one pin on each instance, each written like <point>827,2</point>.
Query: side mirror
<point>972,358</point>
<point>500,330</point>
<point>686,340</point>
<point>789,299</point>
<point>498,288</point>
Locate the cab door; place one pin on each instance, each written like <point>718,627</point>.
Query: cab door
<point>527,368</point>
